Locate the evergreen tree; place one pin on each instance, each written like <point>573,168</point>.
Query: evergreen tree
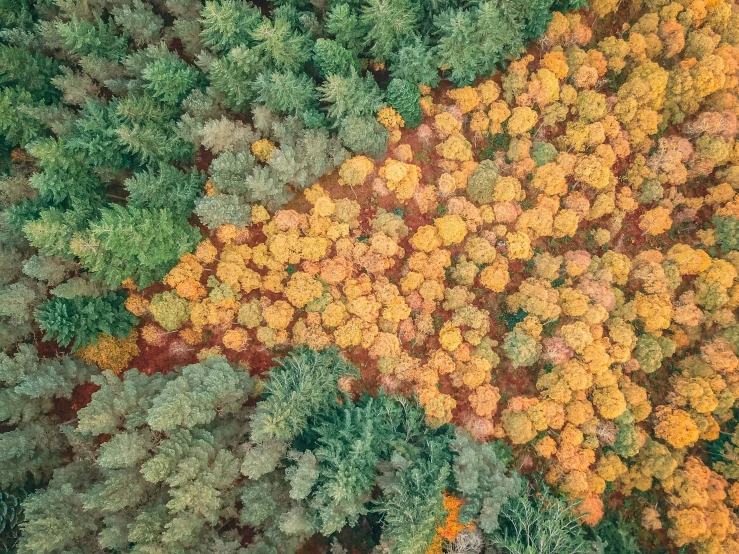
<point>343,22</point>
<point>166,188</point>
<point>405,98</point>
<point>228,24</point>
<point>331,58</point>
<point>286,92</point>
<point>33,444</point>
<point>414,61</point>
<point>80,320</point>
<point>169,79</point>
<point>95,137</point>
<point>471,42</point>
<point>388,24</point>
<point>351,95</point>
<point>221,209</point>
<point>138,243</point>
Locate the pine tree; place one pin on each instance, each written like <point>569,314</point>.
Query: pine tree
<point>81,38</point>
<point>472,41</point>
<point>221,209</point>
<point>414,61</point>
<point>139,21</point>
<point>483,480</point>
<point>388,23</point>
<point>405,98</point>
<point>228,24</point>
<point>169,79</point>
<point>343,22</point>
<point>95,137</point>
<point>65,176</point>
<point>80,320</point>
<point>281,46</point>
<point>331,58</point>
<point>166,188</point>
<point>138,243</point>
<point>34,444</point>
<point>350,95</point>
<point>286,92</point>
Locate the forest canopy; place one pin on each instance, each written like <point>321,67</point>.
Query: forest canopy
<point>369,276</point>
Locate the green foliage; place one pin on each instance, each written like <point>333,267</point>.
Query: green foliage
<point>405,98</point>
<point>303,384</point>
<point>388,23</point>
<point>651,350</point>
<point>11,516</point>
<point>166,188</point>
<point>138,243</point>
<point>139,22</point>
<point>33,444</point>
<point>410,525</point>
<point>414,62</point>
<point>545,525</point>
<point>169,310</point>
<point>169,79</point>
<point>218,210</point>
<point>727,232</point>
<point>363,135</point>
<point>65,176</point>
<point>331,58</point>
<point>80,320</point>
<point>483,480</point>
<point>521,348</point>
<point>228,24</point>
<point>543,153</point>
<point>198,394</point>
<point>618,535</point>
<point>350,96</point>
<point>473,41</point>
<point>286,92</point>
<point>482,181</point>
<point>81,37</point>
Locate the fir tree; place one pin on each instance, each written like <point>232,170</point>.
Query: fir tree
<point>405,98</point>
<point>81,38</point>
<point>138,243</point>
<point>286,92</point>
<point>228,24</point>
<point>166,188</point>
<point>80,320</point>
<point>350,95</point>
<point>343,22</point>
<point>139,21</point>
<point>414,61</point>
<point>169,79</point>
<point>331,58</point>
<point>221,209</point>
<point>388,24</point>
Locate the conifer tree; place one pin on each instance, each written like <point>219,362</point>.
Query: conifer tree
<point>137,243</point>
<point>80,320</point>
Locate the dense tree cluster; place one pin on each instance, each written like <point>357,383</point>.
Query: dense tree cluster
<point>272,275</point>
<point>179,462</point>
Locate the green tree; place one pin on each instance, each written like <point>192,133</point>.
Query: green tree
<point>414,61</point>
<point>80,320</point>
<point>166,188</point>
<point>331,58</point>
<point>138,243</point>
<point>388,24</point>
<point>405,98</point>
<point>228,24</point>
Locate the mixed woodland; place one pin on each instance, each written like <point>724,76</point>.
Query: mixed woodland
<point>369,276</point>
